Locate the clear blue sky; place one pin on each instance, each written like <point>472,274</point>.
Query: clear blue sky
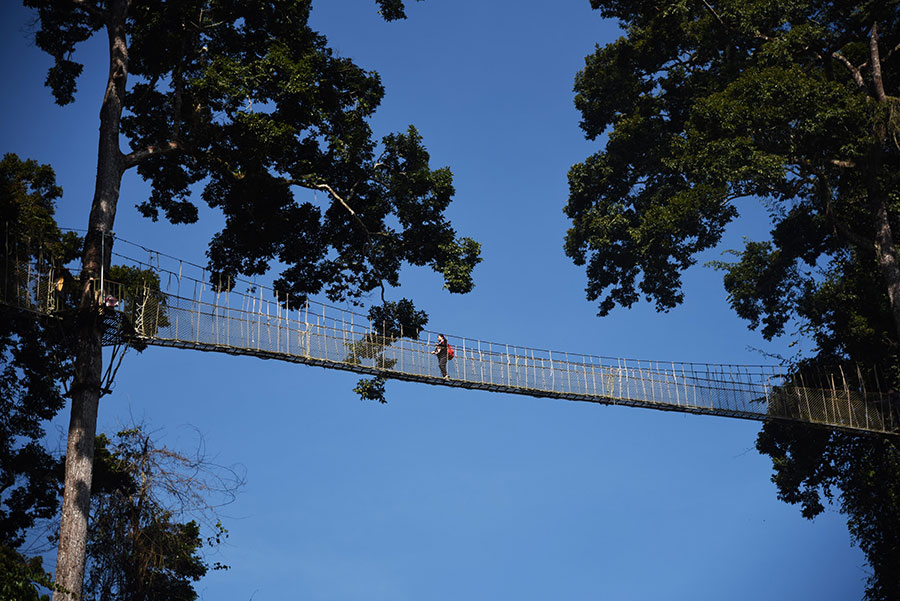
<point>447,494</point>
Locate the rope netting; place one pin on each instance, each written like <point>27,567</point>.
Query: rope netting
<point>182,308</point>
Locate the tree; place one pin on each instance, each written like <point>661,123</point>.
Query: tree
<point>246,100</point>
<point>795,104</point>
<point>138,549</point>
<point>35,359</point>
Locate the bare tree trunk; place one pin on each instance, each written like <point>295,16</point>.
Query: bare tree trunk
<point>86,386</point>
<point>70,557</point>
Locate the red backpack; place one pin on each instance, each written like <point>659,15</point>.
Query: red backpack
<point>450,352</point>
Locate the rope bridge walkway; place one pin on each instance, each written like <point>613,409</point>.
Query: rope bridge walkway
<point>187,311</point>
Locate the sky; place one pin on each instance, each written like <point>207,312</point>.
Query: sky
<point>445,493</point>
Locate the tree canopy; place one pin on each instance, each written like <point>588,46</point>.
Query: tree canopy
<point>703,107</point>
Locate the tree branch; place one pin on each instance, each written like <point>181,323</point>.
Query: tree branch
<point>343,203</point>
<point>133,158</point>
<point>876,64</point>
<point>353,214</point>
<point>714,13</point>
<point>856,72</point>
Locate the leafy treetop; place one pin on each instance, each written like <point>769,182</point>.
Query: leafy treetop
<point>246,100</point>
<point>706,104</point>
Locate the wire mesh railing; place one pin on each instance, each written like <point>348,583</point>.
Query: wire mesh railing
<point>188,311</point>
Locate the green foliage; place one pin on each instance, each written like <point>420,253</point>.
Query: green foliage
<point>398,319</point>
<point>20,577</point>
<point>704,106</point>
<point>392,10</point>
<point>458,259</point>
<point>28,193</point>
<point>371,389</point>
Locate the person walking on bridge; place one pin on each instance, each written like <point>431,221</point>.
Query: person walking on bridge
<point>442,352</point>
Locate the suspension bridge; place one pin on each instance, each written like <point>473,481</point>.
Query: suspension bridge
<point>183,309</point>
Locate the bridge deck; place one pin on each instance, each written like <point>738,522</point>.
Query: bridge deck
<point>333,338</point>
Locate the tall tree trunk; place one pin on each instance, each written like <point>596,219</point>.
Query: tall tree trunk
<point>886,252</point>
<point>885,249</point>
<point>87,382</point>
